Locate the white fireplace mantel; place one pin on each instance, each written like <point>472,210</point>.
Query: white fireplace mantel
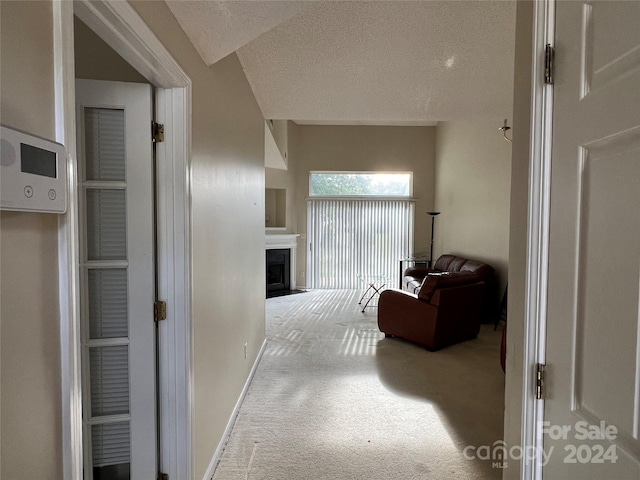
<point>281,240</point>
<point>285,240</point>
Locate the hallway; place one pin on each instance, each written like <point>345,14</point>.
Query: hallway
<point>333,399</point>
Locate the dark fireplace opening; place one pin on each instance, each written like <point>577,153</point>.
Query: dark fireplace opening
<point>275,275</point>
<point>278,271</point>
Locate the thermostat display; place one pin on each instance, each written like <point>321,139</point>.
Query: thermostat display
<point>38,161</point>
<point>33,173</point>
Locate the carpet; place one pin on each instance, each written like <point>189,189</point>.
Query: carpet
<point>333,399</point>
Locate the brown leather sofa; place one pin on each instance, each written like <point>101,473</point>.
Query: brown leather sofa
<point>446,307</point>
<point>412,279</point>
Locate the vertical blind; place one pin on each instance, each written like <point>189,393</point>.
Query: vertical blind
<point>354,238</point>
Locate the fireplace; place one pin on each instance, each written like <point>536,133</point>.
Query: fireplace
<point>278,271</point>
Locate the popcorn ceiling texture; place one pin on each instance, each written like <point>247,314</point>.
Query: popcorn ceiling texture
<point>218,28</point>
<point>371,61</point>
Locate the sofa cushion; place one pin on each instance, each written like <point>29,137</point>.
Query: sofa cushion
<point>453,263</point>
<point>477,267</point>
<point>456,264</point>
<point>443,263</point>
<point>434,281</point>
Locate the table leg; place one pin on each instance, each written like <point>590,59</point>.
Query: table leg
<point>365,292</point>
<point>376,290</point>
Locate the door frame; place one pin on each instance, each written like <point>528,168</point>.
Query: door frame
<point>537,249</point>
<point>121,27</point>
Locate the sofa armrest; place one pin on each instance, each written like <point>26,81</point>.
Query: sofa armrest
<point>396,297</point>
<point>404,315</point>
<point>417,272</point>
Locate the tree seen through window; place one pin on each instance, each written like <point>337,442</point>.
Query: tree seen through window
<point>360,184</point>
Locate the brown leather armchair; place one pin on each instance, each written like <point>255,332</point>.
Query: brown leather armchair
<point>446,309</point>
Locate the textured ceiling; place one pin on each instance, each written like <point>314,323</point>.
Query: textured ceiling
<point>370,62</point>
<point>218,28</point>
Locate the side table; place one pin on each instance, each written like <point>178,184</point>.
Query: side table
<point>415,259</point>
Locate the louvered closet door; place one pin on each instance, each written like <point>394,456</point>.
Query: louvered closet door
<point>117,274</point>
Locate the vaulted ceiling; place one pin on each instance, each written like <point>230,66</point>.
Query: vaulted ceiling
<point>364,62</point>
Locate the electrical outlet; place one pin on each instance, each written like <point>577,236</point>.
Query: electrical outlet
<point>245,351</point>
<point>301,274</point>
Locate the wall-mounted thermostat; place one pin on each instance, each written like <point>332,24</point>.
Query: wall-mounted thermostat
<point>33,173</point>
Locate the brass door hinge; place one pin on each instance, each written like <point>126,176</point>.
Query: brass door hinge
<point>157,132</point>
<point>549,64</point>
<point>540,381</point>
<point>159,310</point>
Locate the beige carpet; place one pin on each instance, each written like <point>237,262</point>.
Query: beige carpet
<point>334,399</point>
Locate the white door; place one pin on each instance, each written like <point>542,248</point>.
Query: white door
<point>117,278</point>
<point>593,325</point>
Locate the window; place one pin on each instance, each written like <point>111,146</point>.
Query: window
<point>377,184</point>
<point>363,232</point>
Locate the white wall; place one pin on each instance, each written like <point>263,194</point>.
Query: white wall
<point>365,148</point>
<point>95,60</point>
<point>473,184</point>
<point>227,230</point>
<point>30,401</point>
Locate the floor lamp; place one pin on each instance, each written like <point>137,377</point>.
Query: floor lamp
<point>433,221</point>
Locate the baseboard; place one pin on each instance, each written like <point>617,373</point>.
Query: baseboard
<point>232,419</point>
